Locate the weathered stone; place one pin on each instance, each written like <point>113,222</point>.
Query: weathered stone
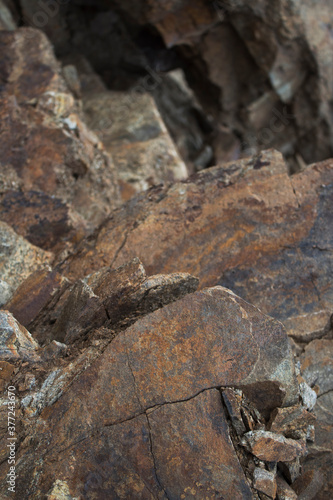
<point>43,220</point>
<point>163,226</point>
<point>292,422</point>
<point>291,470</point>
<point>6,372</point>
<point>150,398</point>
<point>33,294</point>
<point>308,395</point>
<point>18,258</point>
<point>317,364</point>
<point>177,429</point>
<point>284,491</point>
<point>233,402</point>
<point>16,341</point>
<point>5,292</point>
<point>132,130</point>
<point>308,485</point>
<point>57,154</point>
<point>273,447</point>
<point>265,482</point>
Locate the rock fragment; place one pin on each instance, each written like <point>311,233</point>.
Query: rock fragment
<point>265,482</point>
<point>293,422</point>
<point>272,447</point>
<point>284,491</point>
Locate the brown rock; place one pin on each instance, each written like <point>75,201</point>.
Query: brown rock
<point>46,146</point>
<point>132,130</point>
<point>18,259</point>
<point>33,294</point>
<point>292,422</point>
<point>145,413</point>
<point>265,482</point>
<point>164,226</point>
<point>272,447</point>
<point>43,220</point>
<point>284,491</point>
<point>308,485</point>
<point>317,364</point>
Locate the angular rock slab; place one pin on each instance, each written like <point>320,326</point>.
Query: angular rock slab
<point>248,226</point>
<point>167,367</point>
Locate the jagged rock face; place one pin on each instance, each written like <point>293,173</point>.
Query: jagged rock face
<point>283,52</point>
<point>46,147</point>
<point>244,226</point>
<point>141,413</point>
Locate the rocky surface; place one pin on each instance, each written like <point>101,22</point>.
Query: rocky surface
<point>142,346</point>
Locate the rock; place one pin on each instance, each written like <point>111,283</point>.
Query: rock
<point>57,154</point>
<point>284,491</point>
<point>293,422</point>
<point>33,295</point>
<point>116,297</point>
<point>265,482</point>
<point>249,261</point>
<point>130,127</point>
<point>18,259</point>
<point>6,372</point>
<point>16,341</point>
<point>273,447</point>
<point>317,364</point>
<point>233,402</point>
<point>5,292</point>
<point>43,220</point>
<point>308,396</point>
<point>291,470</point>
<point>149,398</point>
<point>308,485</point>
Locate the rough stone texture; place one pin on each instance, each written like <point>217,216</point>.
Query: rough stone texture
<point>284,491</point>
<point>16,341</point>
<point>317,364</point>
<point>219,226</point>
<point>143,412</point>
<point>18,259</point>
<point>281,53</point>
<point>265,482</point>
<point>292,422</point>
<point>273,447</point>
<point>308,485</point>
<point>43,220</point>
<point>45,145</point>
<point>130,127</point>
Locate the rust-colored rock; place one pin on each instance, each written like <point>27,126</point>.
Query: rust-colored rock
<point>264,481</point>
<point>218,226</point>
<point>122,419</point>
<point>294,422</point>
<point>16,341</point>
<point>45,145</point>
<point>273,447</point>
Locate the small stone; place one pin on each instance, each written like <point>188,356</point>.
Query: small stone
<point>272,447</point>
<point>308,395</point>
<point>5,292</point>
<point>292,422</point>
<point>53,350</point>
<point>265,482</point>
<point>284,491</point>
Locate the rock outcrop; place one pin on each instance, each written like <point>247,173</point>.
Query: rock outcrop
<point>165,336</point>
